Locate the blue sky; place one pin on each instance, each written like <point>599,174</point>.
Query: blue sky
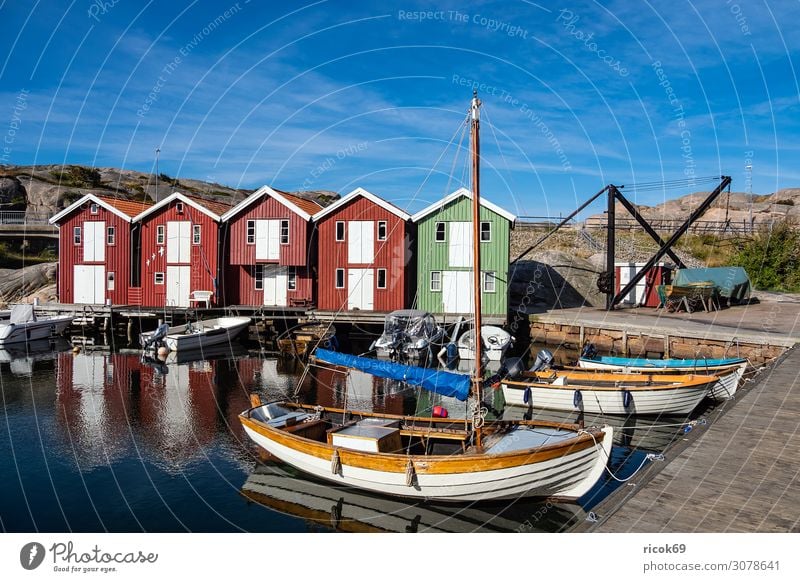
<point>334,95</point>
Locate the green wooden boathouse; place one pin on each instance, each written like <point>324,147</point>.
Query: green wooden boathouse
<point>444,256</point>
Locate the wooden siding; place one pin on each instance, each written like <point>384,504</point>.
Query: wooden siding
<point>117,256</point>
<point>240,286</point>
<point>203,257</point>
<point>433,256</point>
<point>393,254</point>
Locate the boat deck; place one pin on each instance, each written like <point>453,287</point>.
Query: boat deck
<point>738,475</point>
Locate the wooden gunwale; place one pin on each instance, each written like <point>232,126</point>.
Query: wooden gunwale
<point>426,464</point>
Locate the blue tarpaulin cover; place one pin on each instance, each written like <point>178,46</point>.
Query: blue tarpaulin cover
<point>441,382</point>
<point>731,282</point>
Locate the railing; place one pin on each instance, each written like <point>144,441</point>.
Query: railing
<point>668,225</point>
<point>18,217</point>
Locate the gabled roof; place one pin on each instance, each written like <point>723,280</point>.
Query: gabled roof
<point>211,208</point>
<point>365,194</point>
<point>125,209</point>
<point>301,206</point>
<point>454,196</point>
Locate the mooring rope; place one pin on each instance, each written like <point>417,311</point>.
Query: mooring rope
<point>648,457</point>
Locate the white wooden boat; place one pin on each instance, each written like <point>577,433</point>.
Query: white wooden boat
<point>196,335</point>
<point>24,326</point>
<point>433,458</point>
<point>728,371</point>
<point>608,393</point>
<point>496,342</point>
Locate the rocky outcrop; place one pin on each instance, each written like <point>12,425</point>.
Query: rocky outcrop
<point>12,193</point>
<point>21,285</point>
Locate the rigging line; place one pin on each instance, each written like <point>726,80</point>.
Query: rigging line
<point>485,112</point>
<point>455,159</point>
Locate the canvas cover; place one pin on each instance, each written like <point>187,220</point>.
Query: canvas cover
<point>444,383</point>
<point>22,313</point>
<point>731,282</point>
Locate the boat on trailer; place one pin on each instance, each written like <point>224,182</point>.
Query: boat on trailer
<point>195,335</point>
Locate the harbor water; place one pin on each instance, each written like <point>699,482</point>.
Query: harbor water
<point>109,441</point>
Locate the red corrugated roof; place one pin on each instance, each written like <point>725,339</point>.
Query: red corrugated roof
<point>128,207</point>
<point>304,204</point>
<point>215,206</point>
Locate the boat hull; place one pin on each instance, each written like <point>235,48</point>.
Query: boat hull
<point>642,400</point>
<point>11,333</point>
<point>568,471</point>
<point>729,376</point>
<point>210,335</point>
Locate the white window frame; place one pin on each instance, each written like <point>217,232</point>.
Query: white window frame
<point>291,279</point>
<point>179,207</point>
<point>336,233</point>
<point>111,236</point>
<point>196,234</point>
<point>111,278</point>
<point>430,281</point>
<point>378,279</point>
<point>158,278</point>
<point>284,225</point>
<point>258,277</point>
<point>94,208</point>
<point>436,232</point>
<point>490,231</point>
<point>336,278</point>
<point>77,236</point>
<point>385,226</point>
<point>250,232</point>
<point>485,280</point>
<point>161,235</point>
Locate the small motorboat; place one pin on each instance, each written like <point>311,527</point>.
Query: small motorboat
<point>496,341</point>
<point>195,335</point>
<point>301,340</point>
<point>408,334</point>
<point>24,326</point>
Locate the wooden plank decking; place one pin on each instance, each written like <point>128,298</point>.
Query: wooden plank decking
<point>739,475</point>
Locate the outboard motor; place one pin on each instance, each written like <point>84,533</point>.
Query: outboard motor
<point>155,339</point>
<point>543,360</point>
<point>589,352</point>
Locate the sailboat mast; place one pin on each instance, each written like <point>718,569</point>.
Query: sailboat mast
<point>476,250</point>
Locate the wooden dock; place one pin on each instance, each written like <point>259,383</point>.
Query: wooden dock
<point>739,474</point>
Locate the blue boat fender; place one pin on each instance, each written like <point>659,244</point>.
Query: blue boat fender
<point>577,399</point>
<point>526,396</point>
<point>627,398</point>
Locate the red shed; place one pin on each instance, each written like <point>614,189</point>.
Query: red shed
<point>94,249</point>
<point>364,245</point>
<point>269,249</point>
<point>180,251</point>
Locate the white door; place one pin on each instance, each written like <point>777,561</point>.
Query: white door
<point>360,289</point>
<point>178,285</point>
<point>276,280</point>
<point>457,291</point>
<point>268,233</point>
<point>360,242</point>
<point>178,243</point>
<point>460,246</point>
<point>89,284</point>
<point>94,241</point>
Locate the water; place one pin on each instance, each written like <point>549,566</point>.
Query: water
<point>106,442</point>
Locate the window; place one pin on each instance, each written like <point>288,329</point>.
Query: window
<point>258,277</point>
<point>284,232</point>
<point>251,232</point>
<point>436,281</point>
<point>440,230</point>
<point>381,230</point>
<point>94,208</point>
<point>486,232</point>
<point>76,235</point>
<point>340,278</point>
<point>110,281</point>
<point>160,234</point>
<point>158,278</point>
<point>111,235</point>
<point>339,231</point>
<point>291,281</point>
<point>489,281</point>
<point>179,207</point>
<point>195,234</point>
<point>381,278</point>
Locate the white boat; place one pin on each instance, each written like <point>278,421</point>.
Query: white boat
<point>608,393</point>
<point>728,371</point>
<point>24,326</point>
<point>496,341</point>
<point>195,335</point>
<point>470,459</point>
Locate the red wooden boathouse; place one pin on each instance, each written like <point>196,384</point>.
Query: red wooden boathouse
<point>269,250</point>
<point>181,254</point>
<point>364,247</point>
<point>94,249</point>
